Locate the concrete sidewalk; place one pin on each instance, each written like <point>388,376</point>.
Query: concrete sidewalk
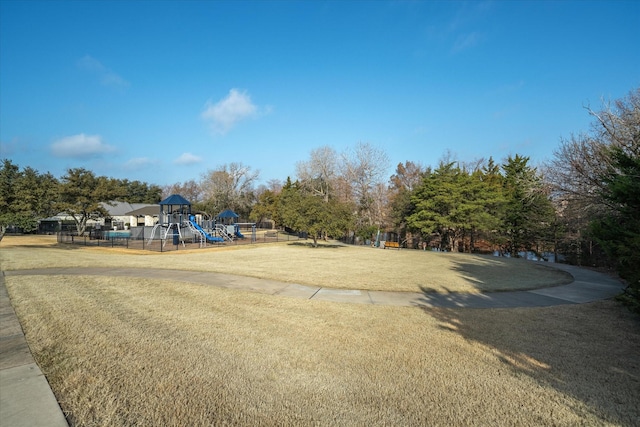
<point>27,400</point>
<point>25,396</point>
<point>587,286</point>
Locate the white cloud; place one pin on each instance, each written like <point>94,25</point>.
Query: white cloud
<point>89,63</point>
<point>113,80</point>
<point>186,159</point>
<point>139,163</point>
<point>81,146</point>
<point>105,75</point>
<point>224,114</point>
<point>9,148</point>
<point>467,41</point>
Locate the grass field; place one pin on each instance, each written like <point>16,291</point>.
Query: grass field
<point>335,266</point>
<point>121,351</point>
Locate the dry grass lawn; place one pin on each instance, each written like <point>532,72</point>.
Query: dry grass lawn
<point>334,266</point>
<point>124,352</point>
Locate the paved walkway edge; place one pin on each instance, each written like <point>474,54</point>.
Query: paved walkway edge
<point>26,399</point>
<point>587,286</point>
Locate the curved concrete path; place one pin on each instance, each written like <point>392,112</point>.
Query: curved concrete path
<point>27,399</point>
<point>587,286</point>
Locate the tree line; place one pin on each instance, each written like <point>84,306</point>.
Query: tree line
<point>595,178</point>
<point>583,204</point>
<point>26,196</point>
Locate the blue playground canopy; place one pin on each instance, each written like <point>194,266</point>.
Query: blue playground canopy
<point>174,213</point>
<point>174,210</point>
<point>228,214</point>
<point>176,200</point>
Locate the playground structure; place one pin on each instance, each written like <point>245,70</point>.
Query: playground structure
<point>178,223</point>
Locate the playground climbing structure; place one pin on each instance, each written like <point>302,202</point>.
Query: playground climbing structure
<point>175,221</point>
<point>174,213</point>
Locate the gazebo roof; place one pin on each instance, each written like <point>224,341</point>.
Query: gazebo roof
<point>227,214</point>
<point>175,199</point>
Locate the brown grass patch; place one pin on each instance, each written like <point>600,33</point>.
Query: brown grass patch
<point>334,266</point>
<point>138,352</point>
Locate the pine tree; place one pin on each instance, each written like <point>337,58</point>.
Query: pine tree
<point>528,210</point>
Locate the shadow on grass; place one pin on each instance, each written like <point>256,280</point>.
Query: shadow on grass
<point>89,244</point>
<point>494,274</point>
<point>320,245</point>
<point>63,246</point>
<point>587,351</point>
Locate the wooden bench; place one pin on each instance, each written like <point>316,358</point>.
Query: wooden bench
<point>391,245</point>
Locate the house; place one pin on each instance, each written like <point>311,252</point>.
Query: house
<point>120,215</point>
<point>63,222</point>
<point>146,215</point>
<point>123,214</point>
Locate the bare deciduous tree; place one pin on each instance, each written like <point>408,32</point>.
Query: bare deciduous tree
<point>579,163</point>
<point>407,176</point>
<point>274,185</point>
<point>190,190</point>
<point>319,173</point>
<point>576,173</point>
<point>364,167</point>
<point>231,186</point>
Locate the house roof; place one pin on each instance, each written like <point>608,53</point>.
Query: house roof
<point>117,208</point>
<point>227,214</point>
<point>175,199</point>
<point>124,209</point>
<point>63,216</point>
<point>150,210</point>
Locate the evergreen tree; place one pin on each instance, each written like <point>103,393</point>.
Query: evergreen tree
<point>25,196</point>
<point>494,202</point>
<point>484,204</point>
<point>266,208</point>
<point>9,175</point>
<point>402,184</point>
<point>439,206</point>
<point>81,194</point>
<point>457,205</point>
<point>618,231</point>
<point>528,210</point>
<point>302,211</point>
<point>137,192</point>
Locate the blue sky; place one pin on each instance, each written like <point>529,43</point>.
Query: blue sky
<point>164,91</point>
